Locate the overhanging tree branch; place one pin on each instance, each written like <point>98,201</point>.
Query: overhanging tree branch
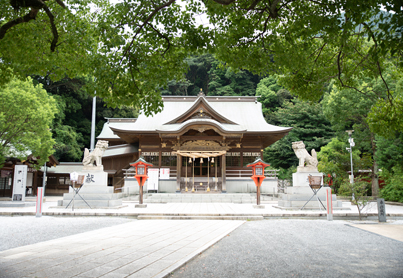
<point>26,18</point>
<point>53,27</point>
<point>154,12</point>
<point>162,36</point>
<point>36,6</point>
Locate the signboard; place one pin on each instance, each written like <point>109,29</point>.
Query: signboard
<point>152,183</point>
<point>381,210</point>
<point>20,182</point>
<point>164,173</point>
<point>73,176</point>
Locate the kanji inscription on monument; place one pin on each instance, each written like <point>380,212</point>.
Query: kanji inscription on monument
<point>381,210</point>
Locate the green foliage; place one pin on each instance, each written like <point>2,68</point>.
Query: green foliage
<point>311,43</point>
<point>286,174</point>
<point>393,190</point>
<point>72,125</point>
<point>389,153</point>
<point>26,114</point>
<point>309,125</point>
<point>359,189</point>
<point>67,146</point>
<point>390,158</point>
<point>134,48</point>
<point>386,116</point>
<point>225,81</point>
<point>26,48</point>
<point>272,96</point>
<point>334,159</point>
<point>198,72</point>
<point>348,109</point>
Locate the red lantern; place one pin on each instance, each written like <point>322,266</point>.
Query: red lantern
<point>141,174</point>
<point>258,175</point>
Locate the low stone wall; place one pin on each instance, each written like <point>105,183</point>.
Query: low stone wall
<point>269,186</point>
<point>164,186</point>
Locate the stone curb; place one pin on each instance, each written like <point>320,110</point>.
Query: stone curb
<point>204,216</point>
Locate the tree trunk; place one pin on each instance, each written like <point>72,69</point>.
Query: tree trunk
<point>374,168</point>
<point>375,180</point>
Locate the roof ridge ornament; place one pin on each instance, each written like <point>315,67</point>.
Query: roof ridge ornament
<point>201,94</point>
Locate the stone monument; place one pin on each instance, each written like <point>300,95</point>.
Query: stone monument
<point>299,193</point>
<point>95,190</point>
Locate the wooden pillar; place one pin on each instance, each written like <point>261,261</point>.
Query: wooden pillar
<point>178,173</point>
<point>159,158</point>
<point>258,195</point>
<point>223,173</point>
<point>141,195</point>
<point>35,183</point>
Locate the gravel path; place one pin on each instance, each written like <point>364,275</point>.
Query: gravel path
<point>298,248</point>
<point>24,230</point>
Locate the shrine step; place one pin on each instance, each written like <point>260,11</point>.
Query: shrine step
<point>200,217</point>
<point>200,198</point>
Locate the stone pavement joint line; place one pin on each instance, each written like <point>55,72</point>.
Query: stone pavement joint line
<point>134,249</point>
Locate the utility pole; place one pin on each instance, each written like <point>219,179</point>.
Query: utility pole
<point>94,108</point>
<point>350,150</point>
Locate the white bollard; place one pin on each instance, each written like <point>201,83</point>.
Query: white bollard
<point>39,202</point>
<point>329,204</point>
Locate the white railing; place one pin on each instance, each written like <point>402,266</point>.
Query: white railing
<point>244,173</point>
<point>271,173</point>
<point>131,172</point>
<point>247,173</point>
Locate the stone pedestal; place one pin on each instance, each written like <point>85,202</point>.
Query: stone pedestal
<point>95,190</point>
<point>297,195</point>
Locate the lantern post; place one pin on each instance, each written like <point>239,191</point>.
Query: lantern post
<point>141,176</point>
<point>258,175</point>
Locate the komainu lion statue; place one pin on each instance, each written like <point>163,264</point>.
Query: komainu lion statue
<point>306,161</point>
<point>95,157</point>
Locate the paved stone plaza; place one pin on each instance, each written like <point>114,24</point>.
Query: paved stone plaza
<point>300,248</point>
<point>133,249</point>
<point>122,247</point>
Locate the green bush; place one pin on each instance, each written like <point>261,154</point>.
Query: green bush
<point>393,191</point>
<point>361,187</point>
<point>286,174</point>
<point>360,190</point>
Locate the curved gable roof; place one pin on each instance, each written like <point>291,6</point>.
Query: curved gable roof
<point>245,114</point>
<point>200,102</point>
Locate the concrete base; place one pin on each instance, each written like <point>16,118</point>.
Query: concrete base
<point>310,208</point>
<point>296,196</point>
<point>140,206</point>
<point>258,206</point>
<point>17,204</point>
<point>95,192</point>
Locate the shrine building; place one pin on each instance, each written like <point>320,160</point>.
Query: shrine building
<point>200,143</point>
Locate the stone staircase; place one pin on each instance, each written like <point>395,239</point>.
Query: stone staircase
<point>237,198</point>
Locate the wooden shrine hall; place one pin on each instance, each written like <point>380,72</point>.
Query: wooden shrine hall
<point>205,143</point>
